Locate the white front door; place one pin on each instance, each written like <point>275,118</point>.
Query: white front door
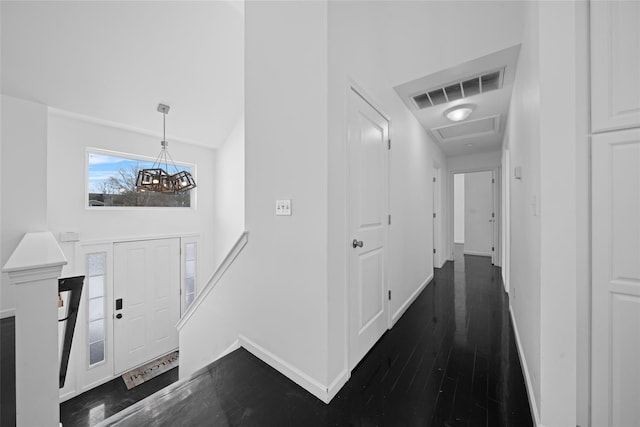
<point>146,301</point>
<point>616,279</point>
<point>368,217</point>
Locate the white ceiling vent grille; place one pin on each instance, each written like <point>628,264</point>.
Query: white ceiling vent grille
<point>475,128</point>
<point>458,90</point>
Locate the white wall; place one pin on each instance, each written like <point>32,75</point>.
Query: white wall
<point>558,211</point>
<point>285,286</point>
<point>458,208</point>
<point>583,222</point>
<point>475,162</point>
<point>478,204</point>
<point>354,55</point>
<point>546,111</point>
<point>523,133</point>
<point>291,277</point>
<point>505,231</point>
<point>24,181</point>
<point>69,139</point>
<point>229,190</point>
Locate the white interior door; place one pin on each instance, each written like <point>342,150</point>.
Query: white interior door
<point>616,279</point>
<point>479,216</point>
<point>368,218</point>
<point>146,301</point>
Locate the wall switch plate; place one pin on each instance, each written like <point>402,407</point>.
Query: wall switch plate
<point>517,172</point>
<point>283,207</point>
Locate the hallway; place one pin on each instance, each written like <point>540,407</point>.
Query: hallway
<point>451,360</point>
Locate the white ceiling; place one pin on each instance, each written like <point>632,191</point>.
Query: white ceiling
<point>115,61</point>
<point>491,106</point>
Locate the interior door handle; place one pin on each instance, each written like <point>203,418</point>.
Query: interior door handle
<point>357,243</point>
<point>119,316</point>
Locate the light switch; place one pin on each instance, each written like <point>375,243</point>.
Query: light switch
<point>283,207</point>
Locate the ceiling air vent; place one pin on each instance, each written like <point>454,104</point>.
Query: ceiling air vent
<point>458,90</point>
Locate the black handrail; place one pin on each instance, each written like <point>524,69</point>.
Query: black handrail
<point>73,285</point>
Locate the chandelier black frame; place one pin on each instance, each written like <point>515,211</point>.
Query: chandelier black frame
<point>156,178</point>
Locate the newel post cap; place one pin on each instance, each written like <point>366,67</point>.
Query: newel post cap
<point>37,256</point>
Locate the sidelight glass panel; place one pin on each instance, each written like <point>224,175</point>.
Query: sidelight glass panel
<point>96,352</point>
<point>189,292</point>
<point>96,306</point>
<point>96,331</point>
<point>96,287</point>
<point>96,309</point>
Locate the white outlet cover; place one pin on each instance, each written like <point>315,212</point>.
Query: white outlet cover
<point>283,207</point>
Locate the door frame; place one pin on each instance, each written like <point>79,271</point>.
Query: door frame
<point>437,221</point>
<point>354,88</point>
<point>81,377</point>
<point>497,203</point>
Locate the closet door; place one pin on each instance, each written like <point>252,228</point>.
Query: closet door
<point>616,279</point>
<point>615,65</point>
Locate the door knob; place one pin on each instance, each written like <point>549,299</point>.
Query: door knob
<point>357,243</point>
<point>119,316</point>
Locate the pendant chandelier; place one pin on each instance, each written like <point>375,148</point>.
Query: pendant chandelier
<point>158,179</point>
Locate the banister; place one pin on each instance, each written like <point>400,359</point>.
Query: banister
<point>215,278</point>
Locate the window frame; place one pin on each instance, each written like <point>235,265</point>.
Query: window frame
<point>132,156</point>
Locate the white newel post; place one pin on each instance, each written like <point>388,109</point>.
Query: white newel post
<point>34,268</point>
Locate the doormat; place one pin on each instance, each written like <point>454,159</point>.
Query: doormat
<point>152,369</point>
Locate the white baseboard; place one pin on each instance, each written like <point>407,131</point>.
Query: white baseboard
<point>525,369</point>
<point>293,373</point>
<point>411,299</point>
<point>477,253</point>
<point>337,384</point>
<point>7,312</point>
<point>233,347</point>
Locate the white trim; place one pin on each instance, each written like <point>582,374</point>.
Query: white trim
<point>411,299</point>
<point>497,207</point>
<point>233,347</point>
<point>215,278</point>
<point>140,238</point>
<point>477,253</point>
<point>293,373</point>
<point>94,120</point>
<point>525,370</point>
<point>353,87</point>
<point>337,384</point>
<point>193,205</point>
<point>7,312</point>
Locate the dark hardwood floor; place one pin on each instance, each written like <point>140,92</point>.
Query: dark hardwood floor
<point>95,405</point>
<point>8,372</point>
<point>450,360</point>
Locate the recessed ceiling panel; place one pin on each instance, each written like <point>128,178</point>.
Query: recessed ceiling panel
<point>468,129</point>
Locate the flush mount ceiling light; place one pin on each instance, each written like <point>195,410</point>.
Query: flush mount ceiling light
<point>158,179</point>
<point>459,112</point>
